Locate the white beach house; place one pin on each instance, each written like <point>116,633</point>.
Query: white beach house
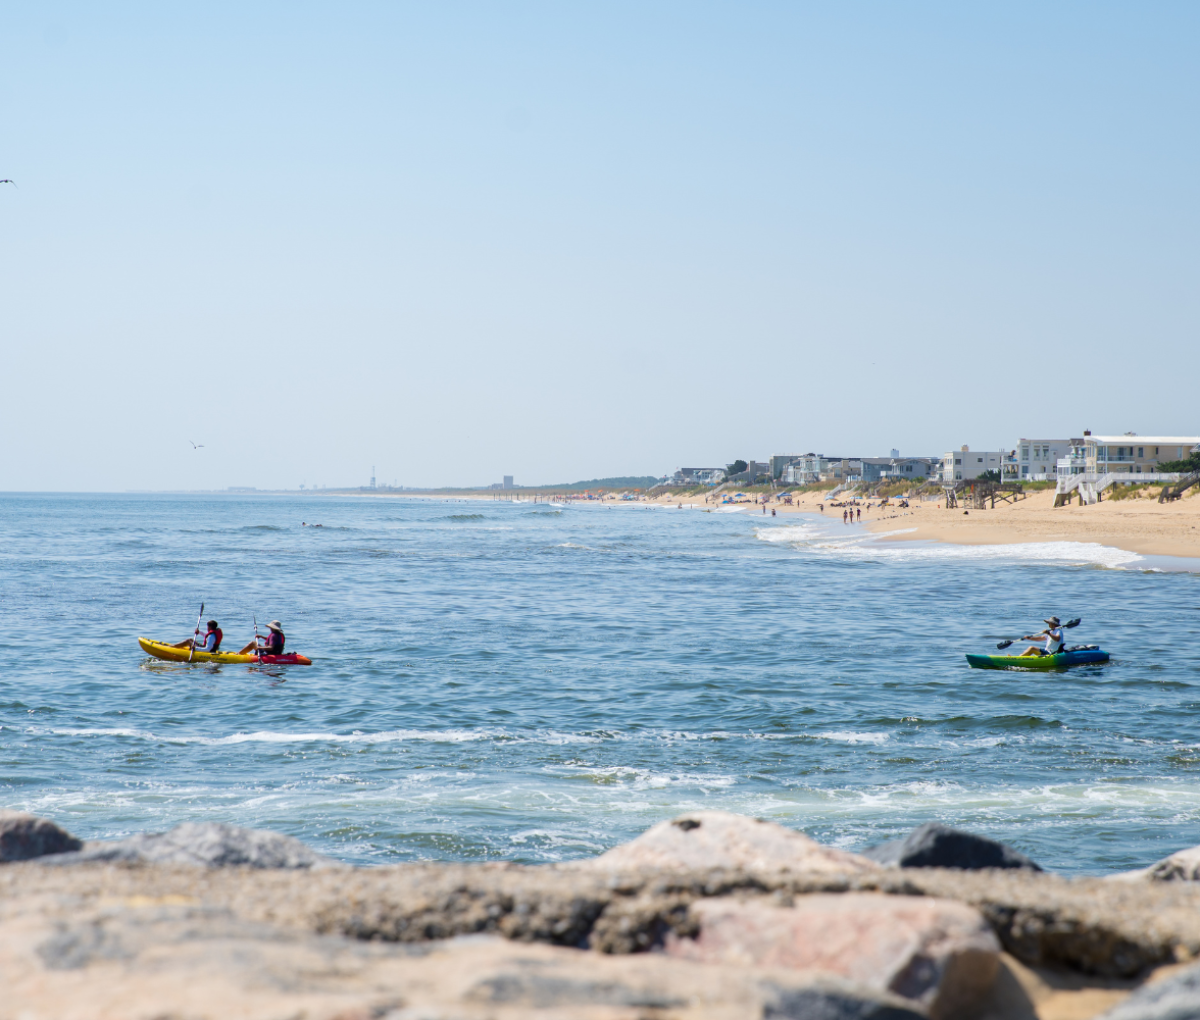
<point>965,464</point>
<point>1133,454</point>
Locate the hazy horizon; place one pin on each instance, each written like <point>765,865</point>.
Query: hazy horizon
<point>557,242</point>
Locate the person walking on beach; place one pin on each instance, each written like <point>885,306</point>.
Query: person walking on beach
<point>860,513</point>
<point>843,516</point>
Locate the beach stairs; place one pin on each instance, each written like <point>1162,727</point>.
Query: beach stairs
<point>1173,492</point>
<point>1091,487</point>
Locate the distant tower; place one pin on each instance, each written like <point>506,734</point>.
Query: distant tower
<point>508,481</point>
<point>372,476</point>
<point>895,455</point>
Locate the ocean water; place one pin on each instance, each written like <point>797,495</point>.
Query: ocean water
<point>516,681</point>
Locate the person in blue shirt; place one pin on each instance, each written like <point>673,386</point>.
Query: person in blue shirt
<point>211,641</point>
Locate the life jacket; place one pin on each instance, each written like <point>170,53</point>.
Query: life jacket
<point>274,643</point>
<point>220,634</point>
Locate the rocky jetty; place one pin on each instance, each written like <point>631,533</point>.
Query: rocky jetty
<point>710,915</point>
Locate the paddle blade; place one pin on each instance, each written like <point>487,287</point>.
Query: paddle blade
<point>1073,623</point>
<point>1002,645</point>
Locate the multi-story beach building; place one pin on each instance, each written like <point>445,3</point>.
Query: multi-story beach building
<point>911,468</point>
<point>780,462</point>
<point>816,467</point>
<point>1133,454</point>
<point>965,464</point>
<point>698,476</point>
<point>874,468</point>
<point>1035,460</point>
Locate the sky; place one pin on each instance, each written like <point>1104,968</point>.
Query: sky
<point>566,241</point>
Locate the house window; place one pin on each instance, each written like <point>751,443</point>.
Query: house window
<point>1141,452</point>
<point>1024,453</point>
<point>979,459</point>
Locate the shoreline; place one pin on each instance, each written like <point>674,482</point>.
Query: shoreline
<point>1141,526</point>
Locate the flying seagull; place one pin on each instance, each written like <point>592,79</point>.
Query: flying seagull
<point>194,446</point>
<point>8,180</point>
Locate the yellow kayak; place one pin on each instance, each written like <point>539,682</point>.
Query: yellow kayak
<point>162,650</point>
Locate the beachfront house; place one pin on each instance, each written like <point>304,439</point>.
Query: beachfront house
<point>1035,460</point>
<point>965,464</point>
<point>698,476</point>
<point>780,462</point>
<point>908,469</point>
<point>1075,462</point>
<point>1133,454</point>
<point>816,467</point>
<point>803,470</point>
<point>874,468</point>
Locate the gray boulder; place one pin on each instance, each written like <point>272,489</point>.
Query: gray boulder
<point>1173,998</point>
<point>207,844</point>
<point>934,845</point>
<point>24,837</point>
<point>1182,866</point>
<point>720,839</point>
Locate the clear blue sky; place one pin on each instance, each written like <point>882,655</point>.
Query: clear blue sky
<point>566,240</point>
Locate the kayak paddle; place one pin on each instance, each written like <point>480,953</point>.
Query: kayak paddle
<point>1066,626</point>
<point>192,649</point>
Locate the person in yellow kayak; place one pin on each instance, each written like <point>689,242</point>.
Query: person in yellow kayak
<point>272,644</point>
<point>211,641</point>
<point>1053,635</point>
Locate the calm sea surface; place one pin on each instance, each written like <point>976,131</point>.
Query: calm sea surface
<point>514,681</point>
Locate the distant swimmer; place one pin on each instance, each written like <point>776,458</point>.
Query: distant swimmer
<point>211,641</point>
<point>272,644</point>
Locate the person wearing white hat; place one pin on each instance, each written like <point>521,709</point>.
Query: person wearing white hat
<point>1053,635</point>
<point>271,644</point>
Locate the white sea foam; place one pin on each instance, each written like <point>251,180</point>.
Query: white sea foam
<point>849,737</point>
<point>819,540</point>
<point>448,736</point>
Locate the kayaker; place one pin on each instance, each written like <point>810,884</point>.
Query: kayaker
<point>1053,635</point>
<point>211,641</point>
<point>272,644</point>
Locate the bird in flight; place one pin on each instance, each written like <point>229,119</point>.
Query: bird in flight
<point>8,180</point>
<point>194,446</point>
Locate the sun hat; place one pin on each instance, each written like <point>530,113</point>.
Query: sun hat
<point>1054,621</point>
<point>276,625</point>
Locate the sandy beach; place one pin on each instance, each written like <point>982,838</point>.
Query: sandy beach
<point>1137,525</point>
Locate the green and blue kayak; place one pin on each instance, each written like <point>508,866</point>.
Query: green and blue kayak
<point>1062,660</point>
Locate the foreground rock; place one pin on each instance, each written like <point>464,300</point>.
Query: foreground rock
<point>940,954</point>
<point>719,839</point>
<point>1174,998</point>
<point>758,921</point>
<point>24,837</point>
<point>152,958</point>
<point>206,844</point>
<point>934,845</point>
